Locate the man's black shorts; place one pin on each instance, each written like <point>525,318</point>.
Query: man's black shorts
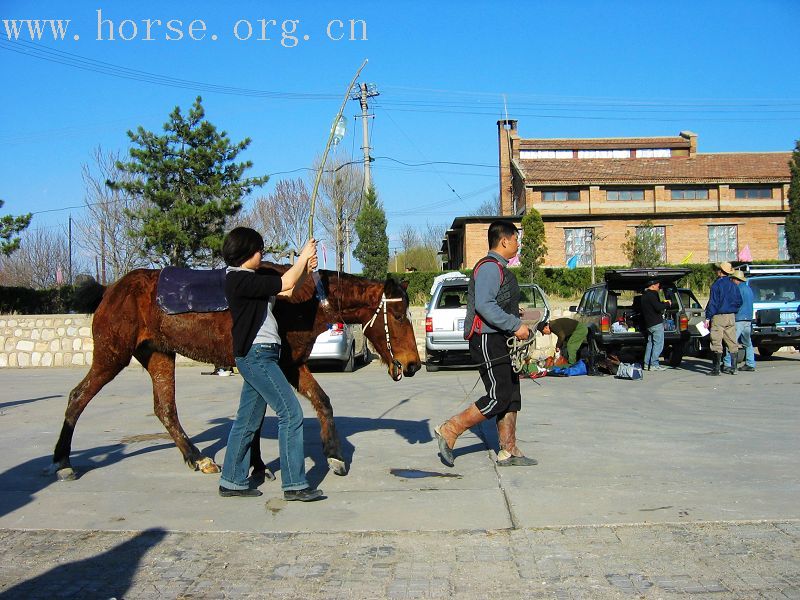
<point>499,379</point>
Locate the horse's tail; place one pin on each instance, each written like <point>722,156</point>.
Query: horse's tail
<point>88,294</point>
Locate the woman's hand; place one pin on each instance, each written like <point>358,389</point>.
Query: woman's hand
<point>309,251</point>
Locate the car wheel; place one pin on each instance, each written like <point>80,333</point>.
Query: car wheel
<point>765,352</point>
<point>366,355</point>
<point>675,355</point>
<point>431,367</point>
<point>350,364</point>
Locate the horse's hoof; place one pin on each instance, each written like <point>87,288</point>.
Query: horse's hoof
<point>66,474</point>
<point>337,466</point>
<point>207,466</point>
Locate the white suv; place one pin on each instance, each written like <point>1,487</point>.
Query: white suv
<point>445,314</point>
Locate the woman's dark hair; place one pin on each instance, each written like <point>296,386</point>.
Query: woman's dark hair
<point>499,230</point>
<point>240,244</point>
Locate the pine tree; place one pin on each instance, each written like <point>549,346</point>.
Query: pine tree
<point>372,249</point>
<point>533,248</point>
<point>792,227</point>
<point>9,226</point>
<point>191,184</point>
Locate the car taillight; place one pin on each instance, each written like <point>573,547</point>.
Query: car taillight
<point>683,322</point>
<point>428,325</point>
<point>605,324</point>
<point>337,328</point>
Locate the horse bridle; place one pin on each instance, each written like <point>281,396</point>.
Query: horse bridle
<point>384,301</point>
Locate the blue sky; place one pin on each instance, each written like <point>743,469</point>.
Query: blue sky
<point>725,70</point>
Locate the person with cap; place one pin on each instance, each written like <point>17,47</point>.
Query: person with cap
<point>653,316</point>
<point>492,317</point>
<point>723,304</point>
<point>744,323</point>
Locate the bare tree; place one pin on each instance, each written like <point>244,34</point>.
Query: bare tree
<point>341,195</point>
<point>104,227</point>
<point>41,262</point>
<point>409,237</point>
<point>282,216</point>
<point>432,236</point>
<point>489,208</point>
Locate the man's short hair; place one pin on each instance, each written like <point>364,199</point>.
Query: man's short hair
<point>541,325</point>
<point>500,230</point>
<point>240,244</point>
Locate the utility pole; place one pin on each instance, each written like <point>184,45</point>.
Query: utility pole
<point>364,93</point>
<point>70,249</point>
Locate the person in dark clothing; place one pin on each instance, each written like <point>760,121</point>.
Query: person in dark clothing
<point>571,335</point>
<point>723,304</point>
<point>492,317</point>
<point>653,317</point>
<point>256,348</point>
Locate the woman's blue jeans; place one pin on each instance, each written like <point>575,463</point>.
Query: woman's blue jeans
<point>655,344</point>
<point>265,385</point>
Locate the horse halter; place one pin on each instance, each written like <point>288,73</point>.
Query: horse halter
<point>382,305</point>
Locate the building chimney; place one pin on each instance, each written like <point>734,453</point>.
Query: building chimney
<point>506,140</point>
<point>692,137</point>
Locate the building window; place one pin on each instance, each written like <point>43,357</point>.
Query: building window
<point>560,195</point>
<point>783,253</point>
<point>753,193</point>
<point>689,194</point>
<point>539,154</point>
<point>578,243</point>
<point>625,195</point>
<point>660,233</point>
<point>653,153</point>
<point>723,243</point>
<point>604,153</point>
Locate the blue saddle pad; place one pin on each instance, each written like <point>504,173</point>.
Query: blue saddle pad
<point>187,290</point>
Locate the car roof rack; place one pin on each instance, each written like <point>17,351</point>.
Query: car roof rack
<point>753,270</point>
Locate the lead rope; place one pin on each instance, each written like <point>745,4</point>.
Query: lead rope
<point>519,352</point>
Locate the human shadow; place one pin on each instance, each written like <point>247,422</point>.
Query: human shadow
<point>105,575</point>
<point>28,401</point>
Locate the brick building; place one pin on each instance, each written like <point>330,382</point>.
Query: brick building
<point>590,192</point>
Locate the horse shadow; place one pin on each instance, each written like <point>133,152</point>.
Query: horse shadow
<point>28,401</point>
<point>105,575</point>
<point>413,432</point>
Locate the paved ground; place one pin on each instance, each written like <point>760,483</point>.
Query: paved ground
<point>679,486</point>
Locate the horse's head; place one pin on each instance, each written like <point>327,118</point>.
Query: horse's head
<point>390,331</point>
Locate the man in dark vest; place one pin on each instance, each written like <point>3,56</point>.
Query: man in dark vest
<point>492,317</point>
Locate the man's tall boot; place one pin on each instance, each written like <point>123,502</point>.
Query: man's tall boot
<point>510,455</point>
<point>717,357</point>
<point>448,432</point>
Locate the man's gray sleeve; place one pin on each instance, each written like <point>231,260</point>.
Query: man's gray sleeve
<point>487,284</point>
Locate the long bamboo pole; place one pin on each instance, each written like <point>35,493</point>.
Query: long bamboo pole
<point>327,149</point>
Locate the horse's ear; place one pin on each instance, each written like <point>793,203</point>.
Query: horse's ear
<point>404,285</point>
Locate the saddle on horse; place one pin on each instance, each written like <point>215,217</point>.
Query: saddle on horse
<point>188,290</point>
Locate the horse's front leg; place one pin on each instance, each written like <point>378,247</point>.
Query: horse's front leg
<point>161,367</point>
<point>308,386</point>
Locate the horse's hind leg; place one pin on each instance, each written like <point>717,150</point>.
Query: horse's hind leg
<point>308,386</point>
<point>161,367</point>
<point>100,373</point>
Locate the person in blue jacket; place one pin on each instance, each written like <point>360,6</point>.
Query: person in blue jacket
<point>723,303</point>
<point>744,324</point>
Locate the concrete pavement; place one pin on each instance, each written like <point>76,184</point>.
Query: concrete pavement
<point>679,484</point>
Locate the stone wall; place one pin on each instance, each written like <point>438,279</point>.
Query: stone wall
<point>45,340</point>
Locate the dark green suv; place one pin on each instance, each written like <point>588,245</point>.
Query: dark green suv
<point>612,311</point>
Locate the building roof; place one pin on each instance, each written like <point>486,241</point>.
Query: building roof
<point>603,143</point>
<point>744,167</point>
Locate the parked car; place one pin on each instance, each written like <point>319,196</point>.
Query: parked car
<point>612,311</point>
<point>341,344</point>
<point>445,314</point>
<point>776,306</point>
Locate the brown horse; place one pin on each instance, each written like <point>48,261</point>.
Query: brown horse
<point>128,323</point>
